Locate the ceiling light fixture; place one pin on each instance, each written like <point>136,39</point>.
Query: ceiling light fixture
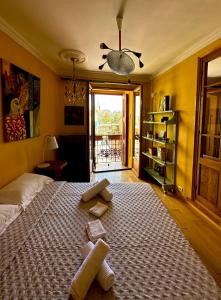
<point>118,60</point>
<point>73,90</point>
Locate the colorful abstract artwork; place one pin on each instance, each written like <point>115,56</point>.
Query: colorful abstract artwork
<point>20,103</point>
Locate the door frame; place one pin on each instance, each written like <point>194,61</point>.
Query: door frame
<point>106,91</point>
<point>92,130</point>
<point>202,69</point>
<point>125,129</point>
<point>138,89</point>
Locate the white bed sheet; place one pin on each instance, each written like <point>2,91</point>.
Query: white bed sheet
<point>8,213</point>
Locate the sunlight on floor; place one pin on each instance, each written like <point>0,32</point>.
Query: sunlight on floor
<point>109,166</point>
<point>117,176</point>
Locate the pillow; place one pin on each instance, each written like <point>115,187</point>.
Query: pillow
<point>23,189</point>
<point>8,213</point>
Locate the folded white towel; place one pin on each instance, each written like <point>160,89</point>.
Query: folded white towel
<point>88,270</point>
<point>98,209</point>
<point>105,275</point>
<point>95,230</point>
<point>106,195</point>
<point>97,188</point>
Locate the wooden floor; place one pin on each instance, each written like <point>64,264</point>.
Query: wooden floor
<point>203,235</point>
<point>109,166</point>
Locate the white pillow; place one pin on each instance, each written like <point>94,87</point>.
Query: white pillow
<point>23,189</point>
<point>8,213</point>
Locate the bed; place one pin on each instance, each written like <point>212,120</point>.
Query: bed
<point>40,250</point>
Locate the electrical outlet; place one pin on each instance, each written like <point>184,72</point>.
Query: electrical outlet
<point>180,188</point>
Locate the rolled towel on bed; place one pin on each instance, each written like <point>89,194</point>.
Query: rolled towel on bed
<point>106,195</point>
<point>88,270</point>
<point>98,209</point>
<point>95,230</point>
<point>105,275</point>
<point>96,189</point>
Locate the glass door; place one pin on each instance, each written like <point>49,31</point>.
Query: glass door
<point>208,191</point>
<point>92,131</point>
<point>136,131</point>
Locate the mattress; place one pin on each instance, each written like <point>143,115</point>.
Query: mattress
<point>40,251</point>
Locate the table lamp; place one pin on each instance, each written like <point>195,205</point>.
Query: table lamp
<point>50,143</point>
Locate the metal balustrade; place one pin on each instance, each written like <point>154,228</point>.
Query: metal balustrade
<point>108,148</point>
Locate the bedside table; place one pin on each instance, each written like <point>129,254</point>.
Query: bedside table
<point>55,169</point>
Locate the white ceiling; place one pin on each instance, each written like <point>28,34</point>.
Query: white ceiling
<point>164,31</point>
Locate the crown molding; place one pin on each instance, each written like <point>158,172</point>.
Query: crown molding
<point>82,74</point>
<point>19,39</point>
<point>205,41</point>
<point>108,76</point>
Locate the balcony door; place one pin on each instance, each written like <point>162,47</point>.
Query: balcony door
<point>136,131</point>
<point>92,130</point>
<point>109,127</point>
<point>208,167</point>
<point>125,126</point>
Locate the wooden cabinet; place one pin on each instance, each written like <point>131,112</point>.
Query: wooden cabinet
<point>159,131</point>
<point>56,169</point>
<point>207,180</point>
<point>75,150</point>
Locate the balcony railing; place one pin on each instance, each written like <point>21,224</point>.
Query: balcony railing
<point>108,148</point>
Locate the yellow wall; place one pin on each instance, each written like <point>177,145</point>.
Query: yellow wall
<point>180,82</point>
<point>22,156</point>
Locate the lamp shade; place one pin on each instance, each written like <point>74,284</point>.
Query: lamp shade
<point>120,63</point>
<point>51,143</point>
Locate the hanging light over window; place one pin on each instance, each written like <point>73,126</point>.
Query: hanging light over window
<point>74,91</point>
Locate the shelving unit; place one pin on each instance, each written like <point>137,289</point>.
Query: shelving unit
<point>168,142</point>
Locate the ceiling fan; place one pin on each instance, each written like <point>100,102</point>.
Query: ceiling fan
<point>118,60</point>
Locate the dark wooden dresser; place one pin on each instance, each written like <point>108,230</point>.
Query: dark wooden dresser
<point>75,150</point>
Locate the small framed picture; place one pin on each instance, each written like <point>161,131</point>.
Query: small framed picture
<point>74,115</point>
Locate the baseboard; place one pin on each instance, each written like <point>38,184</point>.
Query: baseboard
<point>113,170</point>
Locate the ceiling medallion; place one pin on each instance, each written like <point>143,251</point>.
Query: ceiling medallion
<point>74,91</point>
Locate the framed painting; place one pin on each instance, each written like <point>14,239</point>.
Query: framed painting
<point>74,115</point>
<point>20,103</point>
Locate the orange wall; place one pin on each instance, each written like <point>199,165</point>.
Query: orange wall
<point>22,156</point>
<point>180,82</point>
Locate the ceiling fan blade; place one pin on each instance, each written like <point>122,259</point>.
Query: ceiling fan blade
<point>104,56</point>
<point>137,54</point>
<point>101,66</point>
<point>141,64</point>
<point>104,46</point>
